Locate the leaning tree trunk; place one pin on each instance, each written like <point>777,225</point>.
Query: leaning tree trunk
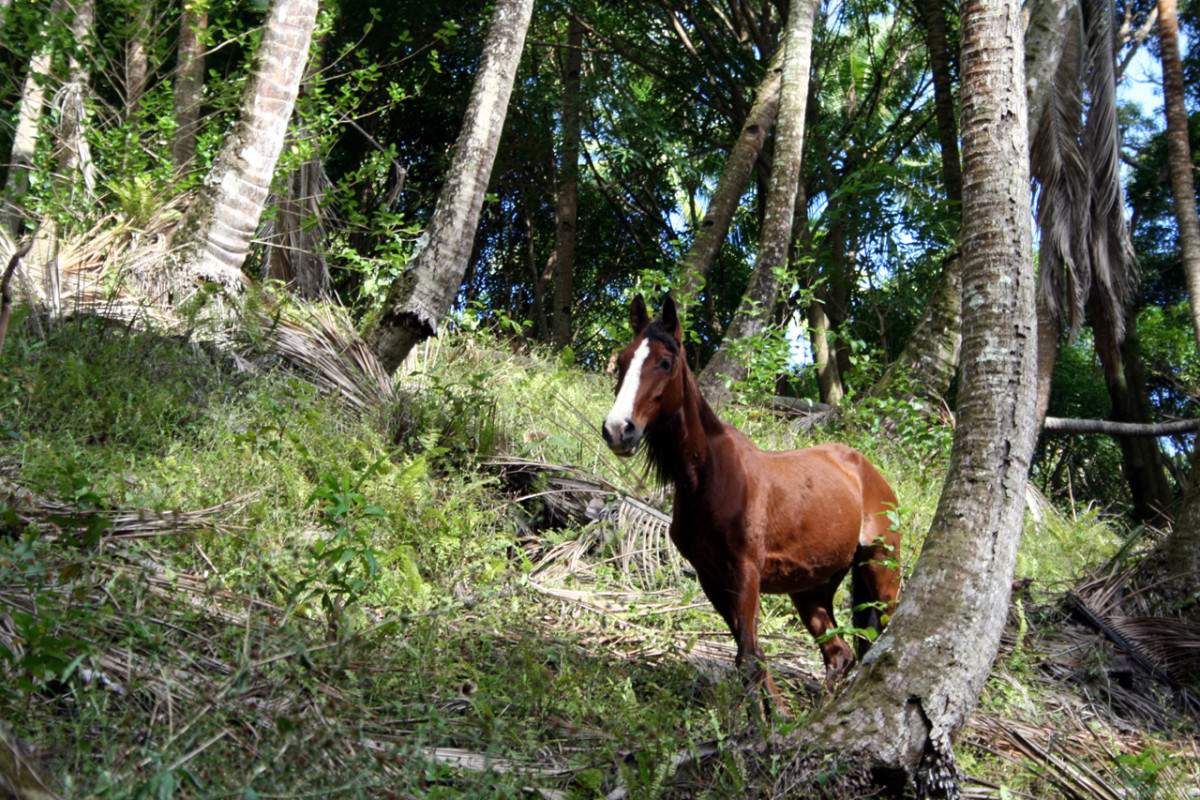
<point>702,253</point>
<point>33,103</point>
<point>754,313</point>
<point>566,205</point>
<point>1184,543</point>
<point>420,297</point>
<point>189,82</point>
<point>920,681</point>
<point>215,235</point>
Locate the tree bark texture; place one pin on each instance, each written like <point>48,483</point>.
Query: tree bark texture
<point>918,684</point>
<point>702,253</point>
<point>566,204</point>
<point>1183,546</point>
<point>755,311</point>
<point>420,297</point>
<point>189,82</point>
<point>215,236</point>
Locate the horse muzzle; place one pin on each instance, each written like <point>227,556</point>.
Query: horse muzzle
<point>621,435</point>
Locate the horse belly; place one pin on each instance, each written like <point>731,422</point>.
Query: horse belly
<point>811,538</point>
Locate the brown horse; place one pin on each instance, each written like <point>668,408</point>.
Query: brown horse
<point>753,521</point>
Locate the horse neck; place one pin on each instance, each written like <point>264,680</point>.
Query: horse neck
<point>679,449</point>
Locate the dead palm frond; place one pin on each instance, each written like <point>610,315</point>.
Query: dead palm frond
<point>628,532</point>
<point>1060,167</point>
<point>1171,644</point>
<point>320,340</point>
<point>1114,266</point>
<point>1168,648</point>
<point>1086,257</point>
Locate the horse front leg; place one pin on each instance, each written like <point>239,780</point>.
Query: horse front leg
<point>738,606</point>
<point>751,660</point>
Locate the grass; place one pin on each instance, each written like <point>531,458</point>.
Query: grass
<point>223,583</point>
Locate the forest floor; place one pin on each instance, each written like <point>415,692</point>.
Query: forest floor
<point>246,568</point>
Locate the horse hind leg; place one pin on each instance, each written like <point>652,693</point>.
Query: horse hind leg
<point>815,607</point>
<point>875,582</point>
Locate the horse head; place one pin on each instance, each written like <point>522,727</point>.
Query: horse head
<point>650,377</point>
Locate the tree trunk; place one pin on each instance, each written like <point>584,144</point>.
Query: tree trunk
<point>1183,546</point>
<point>189,82</point>
<point>294,255</point>
<point>829,277</point>
<point>136,57</point>
<point>918,684</point>
<point>933,15</point>
<point>754,312</point>
<point>829,377</point>
<point>33,103</point>
<point>1125,378</point>
<point>215,235</point>
<point>420,297</point>
<point>567,201</point>
<point>74,152</point>
<point>731,186</point>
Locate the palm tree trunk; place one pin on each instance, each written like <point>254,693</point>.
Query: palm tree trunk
<point>1183,546</point>
<point>917,686</point>
<point>293,253</point>
<point>567,202</point>
<point>756,309</point>
<point>214,237</point>
<point>189,82</point>
<point>74,152</point>
<point>702,253</point>
<point>136,57</point>
<point>930,356</point>
<point>33,103</point>
<point>420,297</point>
<point>1125,378</point>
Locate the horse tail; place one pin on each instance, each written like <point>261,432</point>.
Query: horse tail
<point>875,573</point>
<point>864,602</point>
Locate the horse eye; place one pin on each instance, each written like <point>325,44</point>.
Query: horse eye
<point>665,364</point>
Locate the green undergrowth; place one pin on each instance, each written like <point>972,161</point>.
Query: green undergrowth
<point>226,584</point>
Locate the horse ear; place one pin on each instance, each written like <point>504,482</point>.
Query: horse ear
<point>638,317</point>
<point>670,319</point>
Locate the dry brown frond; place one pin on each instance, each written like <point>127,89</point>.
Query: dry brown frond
<point>320,340</point>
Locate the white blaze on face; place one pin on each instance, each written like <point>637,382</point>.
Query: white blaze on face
<point>623,408</point>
